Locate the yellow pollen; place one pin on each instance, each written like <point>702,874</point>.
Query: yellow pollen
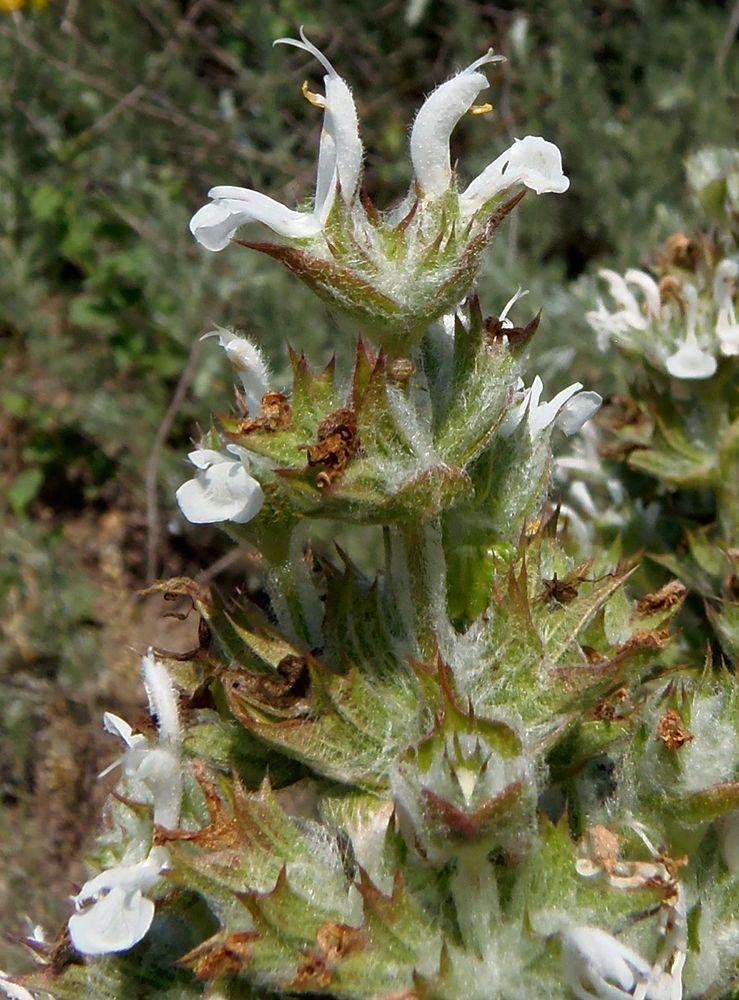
<point>317,100</point>
<point>480,109</point>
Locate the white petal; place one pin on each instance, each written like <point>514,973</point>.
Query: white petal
<point>203,458</point>
<point>162,697</point>
<point>649,287</point>
<point>340,126</point>
<point>116,726</point>
<point>140,876</point>
<point>581,494</point>
<point>593,958</point>
<point>624,297</point>
<point>531,161</point>
<point>724,282</point>
<point>690,362</point>
<point>519,294</point>
<point>223,492</point>
<point>115,923</point>
<point>606,324</point>
<point>515,415</point>
<point>213,225</point>
<point>542,415</point>
<point>326,177</point>
<point>162,773</point>
<point>729,339</point>
<point>248,361</point>
<point>435,122</point>
<point>578,410</point>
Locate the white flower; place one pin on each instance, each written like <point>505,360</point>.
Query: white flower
<point>571,408</point>
<point>394,286</point>
<point>157,768</point>
<point>631,314</point>
<point>690,361</point>
<point>339,164</point>
<point>596,966</point>
<point>531,161</point>
<point>120,914</point>
<point>223,490</point>
<point>248,361</point>
<point>682,335</point>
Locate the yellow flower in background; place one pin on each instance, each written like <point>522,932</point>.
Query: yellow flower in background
<point>8,6</point>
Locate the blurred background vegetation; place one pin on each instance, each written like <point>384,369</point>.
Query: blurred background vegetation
<point>115,119</point>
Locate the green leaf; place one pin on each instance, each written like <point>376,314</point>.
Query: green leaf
<point>25,488</point>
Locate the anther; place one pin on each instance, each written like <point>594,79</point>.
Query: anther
<point>317,100</point>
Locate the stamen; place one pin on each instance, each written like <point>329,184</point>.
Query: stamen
<point>479,109</point>
<point>317,100</point>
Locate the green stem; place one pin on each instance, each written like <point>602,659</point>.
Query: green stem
<point>419,578</point>
<point>474,890</point>
<point>294,599</point>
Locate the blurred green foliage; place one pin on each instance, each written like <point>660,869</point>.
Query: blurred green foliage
<point>116,118</point>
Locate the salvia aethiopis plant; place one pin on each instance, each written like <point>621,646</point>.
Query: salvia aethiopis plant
<point>480,772</point>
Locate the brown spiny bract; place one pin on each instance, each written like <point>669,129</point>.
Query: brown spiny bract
<point>314,972</point>
<point>221,955</point>
<point>646,638</point>
<point>672,730</point>
<point>336,941</point>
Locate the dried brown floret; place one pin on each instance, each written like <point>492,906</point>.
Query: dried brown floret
<point>337,444</point>
<point>285,692</point>
<point>673,732</point>
<point>672,594</point>
<point>517,336</point>
<point>276,415</point>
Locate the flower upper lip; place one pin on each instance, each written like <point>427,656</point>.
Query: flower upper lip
<point>435,122</point>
